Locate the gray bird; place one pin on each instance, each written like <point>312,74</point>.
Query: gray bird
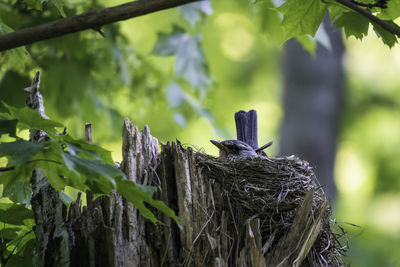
<point>237,148</point>
<point>247,144</point>
<point>234,148</point>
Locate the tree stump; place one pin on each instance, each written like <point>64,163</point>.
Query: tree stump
<point>242,212</point>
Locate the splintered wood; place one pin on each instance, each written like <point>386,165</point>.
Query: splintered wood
<point>242,212</point>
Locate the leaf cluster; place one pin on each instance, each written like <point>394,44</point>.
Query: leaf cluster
<point>66,162</point>
<point>302,19</point>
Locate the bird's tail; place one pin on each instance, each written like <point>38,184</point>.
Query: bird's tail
<point>246,127</point>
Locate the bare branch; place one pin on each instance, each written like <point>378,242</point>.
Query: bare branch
<point>90,20</point>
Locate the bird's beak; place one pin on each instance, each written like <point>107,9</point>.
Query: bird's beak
<point>218,144</point>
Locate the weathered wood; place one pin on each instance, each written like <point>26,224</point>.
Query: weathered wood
<point>234,212</point>
<point>217,228</point>
<point>49,212</point>
<point>52,235</point>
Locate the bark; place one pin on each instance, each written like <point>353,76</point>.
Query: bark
<point>245,212</point>
<point>312,104</point>
<point>90,20</point>
<point>219,228</point>
<point>49,211</point>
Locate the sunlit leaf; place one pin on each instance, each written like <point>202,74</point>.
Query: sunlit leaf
<point>51,162</point>
<point>139,194</point>
<point>301,17</point>
<point>23,173</point>
<point>59,4</point>
<point>100,176</point>
<point>20,151</point>
<point>308,43</point>
<point>21,192</point>
<point>388,38</point>
<point>8,127</point>
<point>16,215</point>
<point>32,120</point>
<point>392,11</point>
<point>65,198</point>
<point>14,58</point>
<point>34,4</point>
<point>335,11</point>
<point>9,233</point>
<point>268,18</point>
<point>91,151</point>
<point>353,24</point>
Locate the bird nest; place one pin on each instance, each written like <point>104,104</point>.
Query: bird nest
<point>273,191</point>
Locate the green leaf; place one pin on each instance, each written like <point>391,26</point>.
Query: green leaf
<point>308,43</point>
<point>50,160</point>
<point>335,11</point>
<point>100,176</point>
<point>90,151</point>
<point>9,233</point>
<point>191,64</point>
<point>13,58</point>
<point>167,43</point>
<point>20,151</point>
<point>32,120</point>
<point>388,38</point>
<point>138,194</point>
<point>269,18</point>
<point>301,17</point>
<point>23,173</point>
<point>54,173</point>
<point>34,4</point>
<point>353,24</point>
<point>392,11</point>
<point>16,215</point>
<point>8,127</point>
<point>21,192</point>
<point>65,198</point>
<point>59,4</point>
<point>193,12</point>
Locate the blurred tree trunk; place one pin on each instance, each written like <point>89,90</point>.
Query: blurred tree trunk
<point>312,101</point>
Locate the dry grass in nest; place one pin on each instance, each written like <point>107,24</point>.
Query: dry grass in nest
<point>272,191</point>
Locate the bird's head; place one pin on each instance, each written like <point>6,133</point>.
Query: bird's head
<point>234,148</point>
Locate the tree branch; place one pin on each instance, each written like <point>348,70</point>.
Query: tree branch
<point>90,20</point>
<point>5,169</point>
<point>384,24</point>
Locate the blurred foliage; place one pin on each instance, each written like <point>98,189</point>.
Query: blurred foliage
<point>185,71</point>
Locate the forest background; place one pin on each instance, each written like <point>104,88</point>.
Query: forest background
<point>185,71</point>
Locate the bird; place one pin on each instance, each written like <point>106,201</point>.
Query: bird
<point>237,148</point>
<point>246,145</point>
<point>234,148</point>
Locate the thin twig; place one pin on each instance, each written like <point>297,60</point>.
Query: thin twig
<point>381,4</point>
<point>88,133</point>
<point>383,23</point>
<point>5,169</point>
<point>10,168</point>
